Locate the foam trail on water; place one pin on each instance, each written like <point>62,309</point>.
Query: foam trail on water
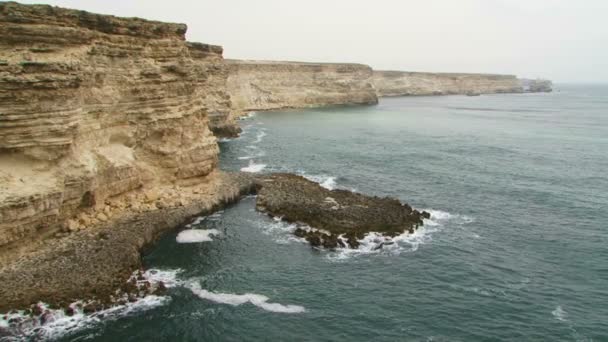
<point>252,156</point>
<point>213,217</point>
<point>280,231</point>
<point>253,167</point>
<point>196,235</point>
<point>236,299</point>
<point>259,137</point>
<point>559,313</point>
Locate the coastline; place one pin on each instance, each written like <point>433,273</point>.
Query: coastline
<point>79,205</point>
<point>93,263</point>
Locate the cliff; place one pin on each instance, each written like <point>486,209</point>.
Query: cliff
<point>537,85</point>
<point>94,107</point>
<point>263,85</point>
<point>400,83</point>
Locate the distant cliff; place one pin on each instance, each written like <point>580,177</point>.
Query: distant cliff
<point>537,85</point>
<point>263,85</point>
<point>400,83</point>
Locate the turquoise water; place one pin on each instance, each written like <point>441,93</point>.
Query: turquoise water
<point>517,248</point>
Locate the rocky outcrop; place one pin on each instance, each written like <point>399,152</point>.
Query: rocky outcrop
<point>94,107</point>
<point>96,262</point>
<point>264,85</point>
<point>537,85</point>
<point>402,83</point>
<point>339,218</point>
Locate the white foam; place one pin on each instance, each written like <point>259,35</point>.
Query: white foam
<point>258,300</point>
<point>248,115</point>
<point>376,243</point>
<point>58,324</point>
<point>253,155</point>
<point>213,217</point>
<point>253,167</point>
<point>560,314</point>
<point>439,217</point>
<point>328,182</point>
<point>259,137</point>
<point>168,277</point>
<point>279,231</point>
<point>196,235</point>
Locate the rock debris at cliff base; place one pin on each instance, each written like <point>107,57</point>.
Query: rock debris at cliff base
<point>93,263</point>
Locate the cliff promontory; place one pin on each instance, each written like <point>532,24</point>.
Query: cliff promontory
<point>264,85</point>
<point>96,106</point>
<point>400,83</point>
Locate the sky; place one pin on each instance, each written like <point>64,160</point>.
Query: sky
<point>562,40</point>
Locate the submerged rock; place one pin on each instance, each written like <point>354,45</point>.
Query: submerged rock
<point>339,217</point>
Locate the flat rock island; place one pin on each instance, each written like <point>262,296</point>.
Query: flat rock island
<point>340,217</point>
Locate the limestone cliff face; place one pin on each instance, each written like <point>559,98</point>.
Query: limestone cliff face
<point>263,85</point>
<point>94,106</point>
<point>400,83</point>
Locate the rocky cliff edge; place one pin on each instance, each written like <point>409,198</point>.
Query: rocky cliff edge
<point>95,107</point>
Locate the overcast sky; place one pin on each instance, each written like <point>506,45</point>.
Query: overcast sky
<point>563,40</point>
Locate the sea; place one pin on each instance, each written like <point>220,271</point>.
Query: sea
<point>516,248</point>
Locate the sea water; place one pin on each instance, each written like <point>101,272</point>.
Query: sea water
<point>516,248</point>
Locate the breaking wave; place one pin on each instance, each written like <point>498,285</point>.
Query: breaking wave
<point>375,243</point>
<point>253,167</point>
<point>248,115</point>
<point>559,314</point>
<point>258,300</point>
<point>253,155</point>
<point>53,324</point>
<point>328,182</point>
<point>259,137</point>
<point>196,235</point>
<point>213,217</point>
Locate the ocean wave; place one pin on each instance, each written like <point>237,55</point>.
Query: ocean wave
<point>439,217</point>
<point>196,235</point>
<point>253,155</point>
<point>376,243</point>
<point>56,323</point>
<point>248,116</point>
<point>213,217</point>
<point>258,300</point>
<point>253,167</point>
<point>559,314</point>
<point>279,231</point>
<point>373,243</point>
<point>259,137</point>
<point>328,182</point>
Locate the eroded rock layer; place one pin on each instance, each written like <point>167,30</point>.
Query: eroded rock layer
<point>263,85</point>
<point>95,106</point>
<point>401,83</point>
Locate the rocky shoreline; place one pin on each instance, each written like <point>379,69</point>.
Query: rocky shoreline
<point>96,264</point>
<point>108,139</point>
<point>92,264</point>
